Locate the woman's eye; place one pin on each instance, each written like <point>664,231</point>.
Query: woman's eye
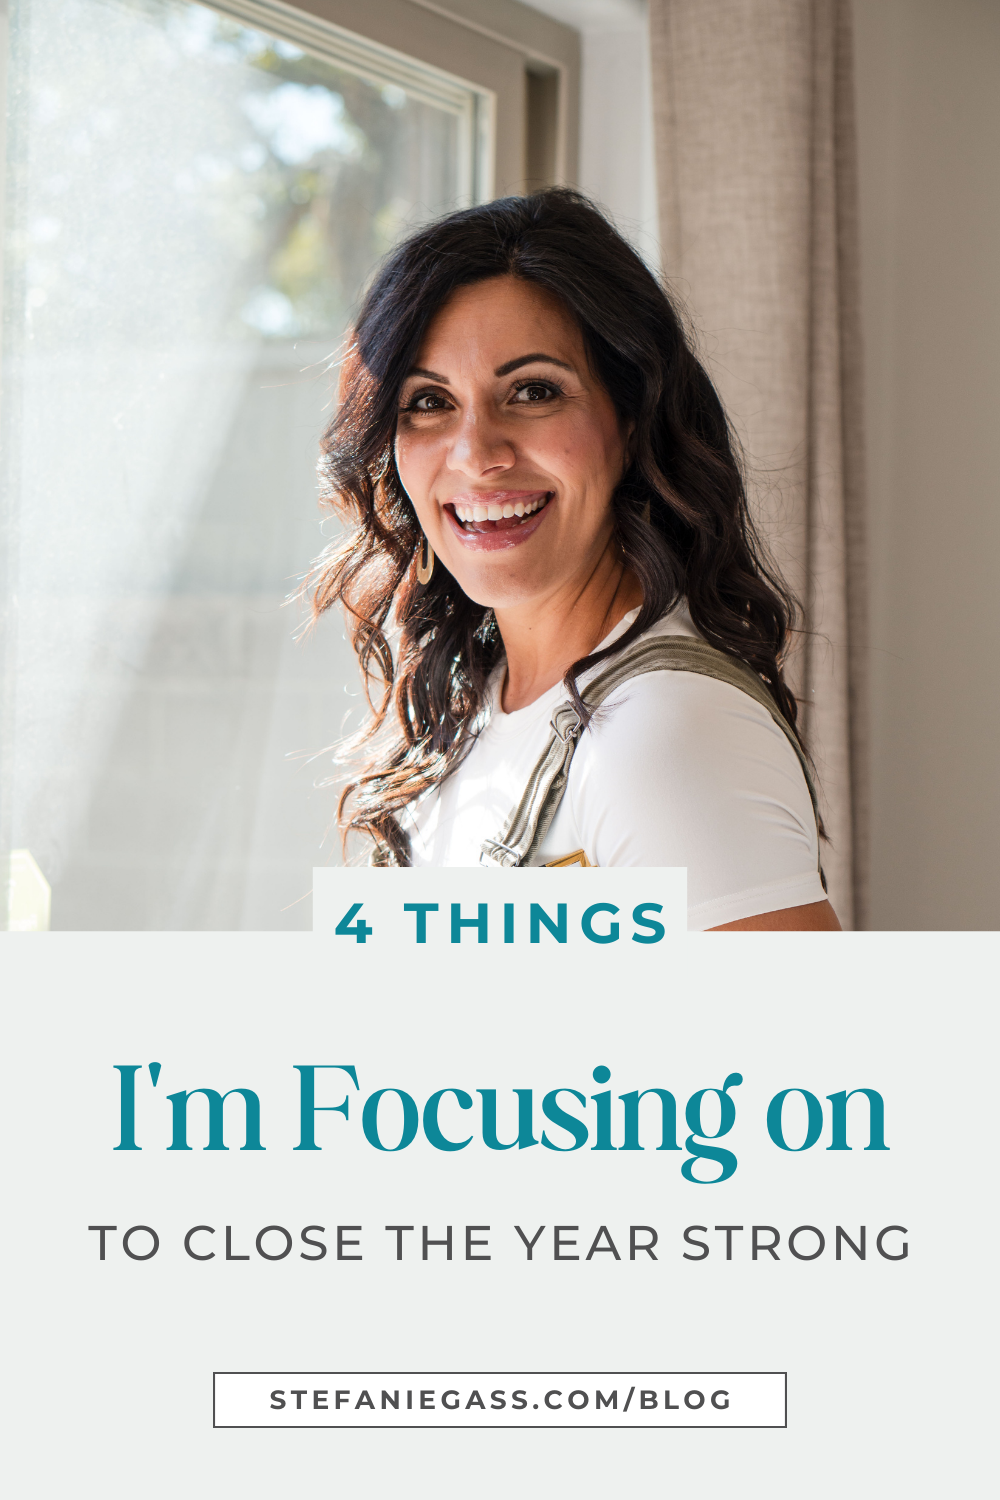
<point>535,391</point>
<point>426,401</point>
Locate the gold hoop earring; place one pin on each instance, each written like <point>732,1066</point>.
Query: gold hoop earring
<point>425,562</point>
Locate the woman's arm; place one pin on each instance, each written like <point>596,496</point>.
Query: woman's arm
<point>817,916</point>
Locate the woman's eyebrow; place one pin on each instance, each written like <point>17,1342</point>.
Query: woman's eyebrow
<point>428,375</point>
<point>531,359</point>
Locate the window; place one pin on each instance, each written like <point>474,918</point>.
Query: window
<point>195,198</point>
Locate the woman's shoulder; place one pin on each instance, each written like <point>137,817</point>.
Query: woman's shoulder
<point>675,712</point>
<point>676,697</point>
<point>677,768</point>
<point>676,736</point>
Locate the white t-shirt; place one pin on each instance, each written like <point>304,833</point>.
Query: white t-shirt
<point>675,769</point>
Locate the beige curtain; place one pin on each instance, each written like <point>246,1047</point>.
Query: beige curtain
<point>755,159</point>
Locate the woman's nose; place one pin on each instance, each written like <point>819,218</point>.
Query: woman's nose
<point>480,445</point>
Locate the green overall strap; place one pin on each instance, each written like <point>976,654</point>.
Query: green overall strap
<point>523,834</point>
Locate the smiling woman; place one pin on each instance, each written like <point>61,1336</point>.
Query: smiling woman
<point>550,520</point>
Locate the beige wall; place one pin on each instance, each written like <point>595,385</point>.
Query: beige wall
<point>928,88</point>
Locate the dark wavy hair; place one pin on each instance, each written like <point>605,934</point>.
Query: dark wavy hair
<point>681,520</point>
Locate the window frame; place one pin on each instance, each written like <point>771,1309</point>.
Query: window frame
<point>474,107</point>
<point>488,45</point>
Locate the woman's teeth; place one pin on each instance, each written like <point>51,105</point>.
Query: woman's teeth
<point>496,512</point>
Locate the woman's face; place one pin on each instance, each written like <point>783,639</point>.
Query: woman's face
<point>508,446</point>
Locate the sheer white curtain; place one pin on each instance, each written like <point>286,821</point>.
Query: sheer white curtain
<point>191,208</point>
<point>753,103</point>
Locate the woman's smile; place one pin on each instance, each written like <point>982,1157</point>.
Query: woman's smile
<point>486,520</point>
